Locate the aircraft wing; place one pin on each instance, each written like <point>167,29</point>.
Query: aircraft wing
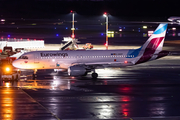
<point>104,64</point>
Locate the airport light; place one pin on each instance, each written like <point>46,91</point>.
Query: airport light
<point>3,20</point>
<point>73,36</point>
<point>150,33</point>
<point>144,27</point>
<point>173,28</point>
<point>106,15</point>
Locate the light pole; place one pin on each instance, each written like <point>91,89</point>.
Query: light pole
<point>73,36</point>
<point>106,15</point>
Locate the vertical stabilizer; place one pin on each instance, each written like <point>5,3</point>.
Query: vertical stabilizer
<point>153,45</point>
<point>156,40</point>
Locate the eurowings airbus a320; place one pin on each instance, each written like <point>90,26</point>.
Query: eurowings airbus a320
<point>79,63</point>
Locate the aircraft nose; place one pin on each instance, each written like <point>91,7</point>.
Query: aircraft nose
<point>16,64</point>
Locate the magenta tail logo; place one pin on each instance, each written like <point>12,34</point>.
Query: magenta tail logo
<point>154,43</point>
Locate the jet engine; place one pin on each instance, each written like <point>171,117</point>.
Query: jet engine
<point>76,70</point>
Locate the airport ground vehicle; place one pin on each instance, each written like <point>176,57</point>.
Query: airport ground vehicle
<point>8,72</point>
<point>8,50</point>
<point>88,46</point>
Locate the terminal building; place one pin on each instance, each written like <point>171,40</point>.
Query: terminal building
<point>21,43</point>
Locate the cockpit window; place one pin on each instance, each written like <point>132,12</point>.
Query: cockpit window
<point>23,57</point>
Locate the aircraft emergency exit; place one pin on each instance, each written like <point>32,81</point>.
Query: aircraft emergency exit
<point>79,63</point>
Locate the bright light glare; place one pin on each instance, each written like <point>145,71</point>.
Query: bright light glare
<point>2,20</point>
<point>145,27</point>
<point>173,28</point>
<point>104,15</point>
<point>55,84</point>
<point>54,77</point>
<point>72,77</point>
<point>73,36</point>
<point>7,84</point>
<point>110,32</point>
<point>7,69</point>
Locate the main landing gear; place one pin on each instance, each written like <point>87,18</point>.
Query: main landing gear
<point>94,74</point>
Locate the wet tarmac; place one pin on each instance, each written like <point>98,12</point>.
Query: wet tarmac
<point>141,92</point>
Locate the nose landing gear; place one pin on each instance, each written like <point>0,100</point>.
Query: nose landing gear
<point>34,76</point>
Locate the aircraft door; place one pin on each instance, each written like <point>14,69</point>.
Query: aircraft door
<point>36,58</point>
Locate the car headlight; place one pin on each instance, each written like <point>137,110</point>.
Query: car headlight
<point>7,69</point>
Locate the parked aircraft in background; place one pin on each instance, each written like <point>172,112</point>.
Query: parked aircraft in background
<point>174,19</point>
<point>79,63</point>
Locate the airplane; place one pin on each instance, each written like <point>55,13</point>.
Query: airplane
<point>174,19</point>
<point>79,63</point>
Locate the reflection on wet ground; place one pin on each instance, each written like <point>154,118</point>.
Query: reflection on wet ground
<point>16,104</point>
<point>146,91</point>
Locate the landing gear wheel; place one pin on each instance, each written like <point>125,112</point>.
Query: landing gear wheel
<point>94,75</point>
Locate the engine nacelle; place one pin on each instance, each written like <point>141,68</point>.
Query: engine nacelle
<point>76,70</point>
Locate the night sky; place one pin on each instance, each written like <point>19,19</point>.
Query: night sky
<point>127,9</point>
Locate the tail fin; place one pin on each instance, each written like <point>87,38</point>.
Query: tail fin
<point>156,40</point>
<point>153,45</point>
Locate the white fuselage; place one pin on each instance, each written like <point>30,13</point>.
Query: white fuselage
<point>64,59</point>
